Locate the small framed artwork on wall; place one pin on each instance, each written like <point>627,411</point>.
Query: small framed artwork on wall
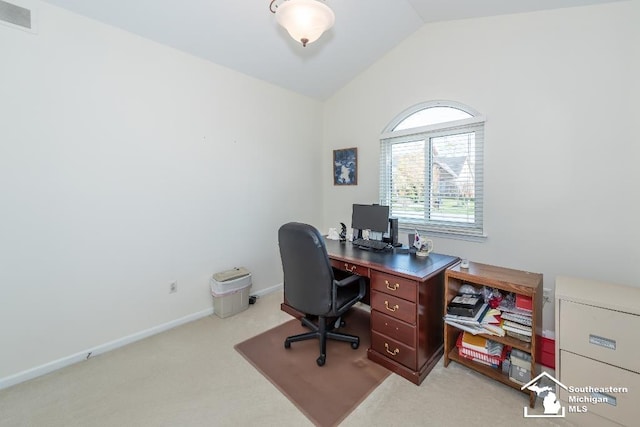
<point>345,166</point>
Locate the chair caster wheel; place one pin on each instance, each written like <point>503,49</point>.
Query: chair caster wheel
<point>355,345</point>
<point>320,360</point>
<point>287,344</point>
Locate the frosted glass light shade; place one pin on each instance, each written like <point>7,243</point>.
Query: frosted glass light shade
<point>305,20</point>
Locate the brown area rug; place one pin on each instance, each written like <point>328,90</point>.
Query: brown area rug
<point>327,394</point>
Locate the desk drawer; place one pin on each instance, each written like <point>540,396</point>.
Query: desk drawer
<point>394,350</point>
<point>578,371</point>
<point>350,267</point>
<point>606,335</point>
<point>394,307</point>
<point>394,285</point>
<point>391,327</point>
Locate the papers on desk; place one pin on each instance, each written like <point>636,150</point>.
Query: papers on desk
<point>333,234</point>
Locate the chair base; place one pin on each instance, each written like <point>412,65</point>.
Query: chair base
<point>321,332</point>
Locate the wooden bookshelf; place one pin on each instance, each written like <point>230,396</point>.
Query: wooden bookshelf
<point>508,281</point>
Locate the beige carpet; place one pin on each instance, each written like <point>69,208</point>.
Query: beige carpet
<point>327,394</point>
<point>192,376</point>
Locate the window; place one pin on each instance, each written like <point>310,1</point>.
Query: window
<point>431,169</point>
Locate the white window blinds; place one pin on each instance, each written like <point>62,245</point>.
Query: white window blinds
<point>431,177</point>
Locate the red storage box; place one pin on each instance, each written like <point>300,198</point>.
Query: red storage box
<point>487,359</point>
<point>546,352</point>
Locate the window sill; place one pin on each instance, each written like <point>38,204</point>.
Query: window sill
<point>446,235</point>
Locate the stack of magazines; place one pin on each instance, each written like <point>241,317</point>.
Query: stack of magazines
<point>516,321</point>
<point>470,313</point>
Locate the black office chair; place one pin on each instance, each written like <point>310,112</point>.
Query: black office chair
<point>314,288</point>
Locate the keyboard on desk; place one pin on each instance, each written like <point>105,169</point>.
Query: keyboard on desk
<point>370,244</point>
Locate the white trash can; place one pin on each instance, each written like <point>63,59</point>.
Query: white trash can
<point>230,291</point>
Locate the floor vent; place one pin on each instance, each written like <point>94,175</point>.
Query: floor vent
<point>16,16</point>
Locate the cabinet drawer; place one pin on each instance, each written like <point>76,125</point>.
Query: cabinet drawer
<point>394,307</point>
<point>352,268</point>
<point>578,371</point>
<point>606,335</point>
<point>391,327</point>
<point>394,350</point>
<point>394,285</point>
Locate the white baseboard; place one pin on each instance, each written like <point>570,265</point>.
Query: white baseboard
<point>103,348</point>
<point>266,291</point>
<point>94,351</point>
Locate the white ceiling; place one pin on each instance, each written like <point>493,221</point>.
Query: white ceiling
<point>243,34</point>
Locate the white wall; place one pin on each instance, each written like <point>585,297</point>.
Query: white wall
<point>125,165</point>
<point>560,92</point>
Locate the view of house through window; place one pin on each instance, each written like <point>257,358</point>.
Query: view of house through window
<point>431,169</point>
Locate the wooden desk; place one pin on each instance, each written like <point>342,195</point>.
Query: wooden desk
<point>406,298</point>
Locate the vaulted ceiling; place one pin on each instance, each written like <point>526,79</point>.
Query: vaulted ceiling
<point>244,36</point>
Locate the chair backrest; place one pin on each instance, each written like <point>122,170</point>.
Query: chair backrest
<point>308,276</point>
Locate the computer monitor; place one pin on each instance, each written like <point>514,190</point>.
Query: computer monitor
<point>370,217</point>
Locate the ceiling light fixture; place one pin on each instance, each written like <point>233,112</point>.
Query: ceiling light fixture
<point>305,20</point>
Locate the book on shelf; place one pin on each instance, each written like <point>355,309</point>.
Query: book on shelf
<point>516,335</point>
<point>518,318</point>
<point>481,344</point>
<point>507,306</point>
<point>474,342</point>
<point>517,330</point>
<point>524,302</point>
<point>467,305</point>
<point>494,329</point>
<point>516,325</point>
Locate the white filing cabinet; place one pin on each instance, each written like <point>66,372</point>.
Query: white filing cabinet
<point>598,349</point>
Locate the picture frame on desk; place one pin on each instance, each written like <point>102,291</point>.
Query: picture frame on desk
<point>345,166</point>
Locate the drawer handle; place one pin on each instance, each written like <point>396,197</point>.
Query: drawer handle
<point>351,269</point>
<point>394,308</point>
<point>602,342</point>
<point>394,352</point>
<point>391,287</point>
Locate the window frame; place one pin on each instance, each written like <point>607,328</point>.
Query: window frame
<point>389,137</point>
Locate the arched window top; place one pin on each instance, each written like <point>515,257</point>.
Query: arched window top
<point>430,113</point>
<point>432,116</point>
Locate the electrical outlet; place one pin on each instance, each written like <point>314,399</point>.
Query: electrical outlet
<point>546,292</point>
<point>173,287</point>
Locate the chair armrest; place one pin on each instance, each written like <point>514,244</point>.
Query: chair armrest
<point>348,280</point>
